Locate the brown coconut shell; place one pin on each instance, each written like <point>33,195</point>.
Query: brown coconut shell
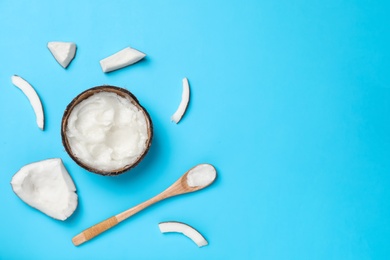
<point>86,94</point>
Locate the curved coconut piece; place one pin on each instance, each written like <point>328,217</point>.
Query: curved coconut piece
<point>48,187</point>
<point>32,96</point>
<point>121,59</point>
<point>63,52</point>
<point>185,98</point>
<point>185,229</point>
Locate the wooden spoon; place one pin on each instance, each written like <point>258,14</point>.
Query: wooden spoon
<point>181,186</point>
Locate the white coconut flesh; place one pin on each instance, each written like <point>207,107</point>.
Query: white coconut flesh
<point>121,59</point>
<point>201,175</point>
<point>48,187</point>
<point>63,52</point>
<point>32,96</point>
<point>185,98</point>
<point>107,132</point>
<point>187,230</point>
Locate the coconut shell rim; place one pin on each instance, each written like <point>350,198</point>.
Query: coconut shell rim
<point>88,93</point>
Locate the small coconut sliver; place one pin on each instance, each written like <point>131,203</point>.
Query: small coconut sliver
<point>48,187</point>
<point>32,96</point>
<point>185,98</point>
<point>107,132</point>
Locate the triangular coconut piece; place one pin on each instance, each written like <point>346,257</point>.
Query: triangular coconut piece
<point>63,52</point>
<point>48,187</point>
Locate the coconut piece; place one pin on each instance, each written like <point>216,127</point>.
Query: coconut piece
<point>63,52</point>
<point>48,187</point>
<point>32,96</point>
<point>121,59</point>
<point>185,98</point>
<point>185,229</point>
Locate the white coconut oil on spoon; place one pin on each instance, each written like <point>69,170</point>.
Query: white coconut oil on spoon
<point>201,175</point>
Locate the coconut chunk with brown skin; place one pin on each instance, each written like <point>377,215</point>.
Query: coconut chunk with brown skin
<point>63,52</point>
<point>47,186</point>
<point>185,229</point>
<point>121,59</point>
<point>32,96</point>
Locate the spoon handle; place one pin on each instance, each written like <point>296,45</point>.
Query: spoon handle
<point>99,228</point>
<point>95,230</point>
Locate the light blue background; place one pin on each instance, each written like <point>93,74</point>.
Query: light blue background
<point>290,102</point>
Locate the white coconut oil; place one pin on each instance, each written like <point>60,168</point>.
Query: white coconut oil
<point>107,132</point>
<point>201,175</point>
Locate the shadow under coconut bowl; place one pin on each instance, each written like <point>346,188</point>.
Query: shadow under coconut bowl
<point>123,94</point>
